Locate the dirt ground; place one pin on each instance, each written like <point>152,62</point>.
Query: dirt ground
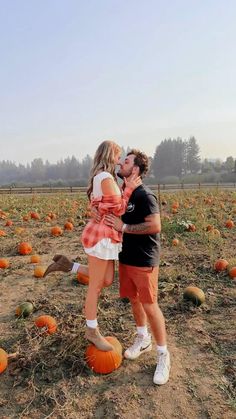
<point>50,377</point>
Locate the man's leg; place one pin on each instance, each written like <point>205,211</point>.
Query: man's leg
<point>156,321</point>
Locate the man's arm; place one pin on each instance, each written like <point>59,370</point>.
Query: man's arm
<point>151,224</point>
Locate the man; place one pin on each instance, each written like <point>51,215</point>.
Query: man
<point>138,265</point>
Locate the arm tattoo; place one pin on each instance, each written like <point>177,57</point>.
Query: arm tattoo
<point>133,228</point>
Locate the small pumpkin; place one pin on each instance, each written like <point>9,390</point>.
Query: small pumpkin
<point>35,259</point>
<point>48,322</point>
<point>194,294</point>
<point>39,271</point>
<point>24,309</point>
<point>24,248</point>
<point>191,227</point>
<point>4,263</point>
<point>9,223</point>
<point>35,216</point>
<point>82,278</point>
<point>103,362</point>
<point>56,231</point>
<point>2,233</point>
<point>232,272</point>
<point>68,226</point>
<point>221,265</point>
<point>175,242</point>
<point>3,360</point>
<point>229,224</point>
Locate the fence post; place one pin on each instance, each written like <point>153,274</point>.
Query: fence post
<point>199,185</point>
<point>182,185</point>
<point>71,189</point>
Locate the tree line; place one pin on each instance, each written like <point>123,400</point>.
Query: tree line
<point>174,160</point>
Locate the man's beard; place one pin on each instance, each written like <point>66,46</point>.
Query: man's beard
<point>120,175</point>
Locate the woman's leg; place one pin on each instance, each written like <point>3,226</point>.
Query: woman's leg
<point>109,275</point>
<point>97,271</point>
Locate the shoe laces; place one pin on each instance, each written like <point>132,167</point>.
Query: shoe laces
<point>161,365</point>
<point>137,343</point>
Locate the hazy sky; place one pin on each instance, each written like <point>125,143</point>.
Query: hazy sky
<point>73,73</point>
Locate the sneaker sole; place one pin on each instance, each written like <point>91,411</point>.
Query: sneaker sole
<point>148,349</point>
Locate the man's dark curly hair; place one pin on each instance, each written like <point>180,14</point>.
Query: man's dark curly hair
<point>141,160</point>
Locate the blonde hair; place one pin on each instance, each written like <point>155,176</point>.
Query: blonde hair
<point>104,160</point>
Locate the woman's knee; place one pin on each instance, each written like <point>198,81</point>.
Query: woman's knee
<point>107,282</point>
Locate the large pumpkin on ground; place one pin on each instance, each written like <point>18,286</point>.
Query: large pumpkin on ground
<point>3,360</point>
<point>194,294</point>
<point>103,362</point>
<point>48,322</point>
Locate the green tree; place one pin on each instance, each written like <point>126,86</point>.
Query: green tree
<point>193,163</point>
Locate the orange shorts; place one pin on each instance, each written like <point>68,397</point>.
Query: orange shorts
<point>138,282</point>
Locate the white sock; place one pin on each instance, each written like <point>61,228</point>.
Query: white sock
<point>162,349</point>
<point>142,330</point>
<point>75,267</point>
<point>92,323</point>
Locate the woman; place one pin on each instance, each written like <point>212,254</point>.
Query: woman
<point>102,243</point>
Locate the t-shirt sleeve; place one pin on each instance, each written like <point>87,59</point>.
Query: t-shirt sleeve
<point>149,205</point>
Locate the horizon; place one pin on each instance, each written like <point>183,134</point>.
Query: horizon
<point>75,74</point>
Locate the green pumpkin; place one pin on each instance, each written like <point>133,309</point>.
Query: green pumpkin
<point>195,295</point>
<point>24,309</point>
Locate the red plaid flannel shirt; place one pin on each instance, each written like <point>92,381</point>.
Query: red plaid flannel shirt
<point>93,231</point>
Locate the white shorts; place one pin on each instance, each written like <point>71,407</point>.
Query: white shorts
<point>105,249</point>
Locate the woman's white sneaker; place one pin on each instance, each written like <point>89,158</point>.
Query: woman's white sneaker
<point>161,375</point>
<point>141,345</point>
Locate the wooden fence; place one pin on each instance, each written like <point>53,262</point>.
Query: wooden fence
<point>80,189</point>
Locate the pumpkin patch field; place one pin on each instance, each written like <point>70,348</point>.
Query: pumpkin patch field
<point>48,370</point>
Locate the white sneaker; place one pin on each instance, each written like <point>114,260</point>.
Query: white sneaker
<point>141,345</point>
<point>161,375</point>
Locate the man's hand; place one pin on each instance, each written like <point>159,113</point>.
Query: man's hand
<point>113,221</point>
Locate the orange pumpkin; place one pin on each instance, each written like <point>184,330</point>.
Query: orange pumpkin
<point>82,278</point>
<point>26,217</point>
<point>68,226</point>
<point>229,224</point>
<point>48,322</point>
<point>24,248</point>
<point>191,227</point>
<point>104,362</point>
<point>34,215</point>
<point>56,231</point>
<point>232,272</point>
<point>209,227</point>
<point>39,271</point>
<point>9,223</point>
<point>2,233</point>
<point>3,360</point>
<point>35,259</point>
<point>4,263</point>
<point>221,265</point>
<point>175,242</point>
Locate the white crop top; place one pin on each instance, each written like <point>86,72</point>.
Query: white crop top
<point>97,180</point>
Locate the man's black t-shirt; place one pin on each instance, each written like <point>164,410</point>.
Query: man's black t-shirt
<point>140,249</point>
